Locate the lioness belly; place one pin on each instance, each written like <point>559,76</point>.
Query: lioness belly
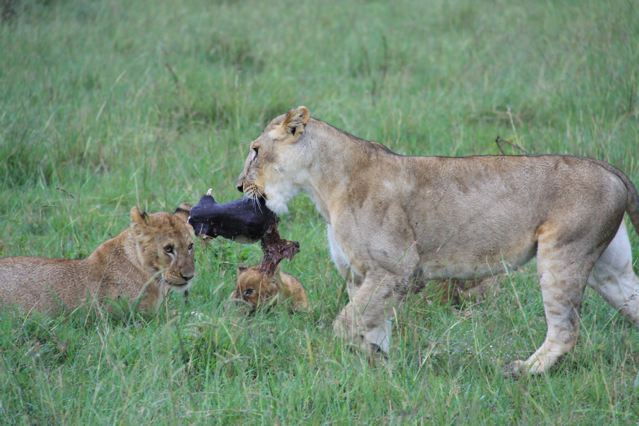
<point>461,267</point>
<point>461,256</point>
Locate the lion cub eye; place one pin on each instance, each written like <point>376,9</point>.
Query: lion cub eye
<point>168,249</point>
<point>190,246</point>
<point>247,292</point>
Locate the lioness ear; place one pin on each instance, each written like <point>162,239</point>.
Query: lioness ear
<point>296,119</point>
<point>138,217</point>
<point>241,269</point>
<point>183,211</point>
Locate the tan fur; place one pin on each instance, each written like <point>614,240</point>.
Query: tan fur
<point>258,288</point>
<point>136,265</point>
<point>392,219</point>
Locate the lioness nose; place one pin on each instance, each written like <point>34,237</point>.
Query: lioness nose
<point>186,277</point>
<point>239,183</point>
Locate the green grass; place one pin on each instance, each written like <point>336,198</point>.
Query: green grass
<point>109,104</point>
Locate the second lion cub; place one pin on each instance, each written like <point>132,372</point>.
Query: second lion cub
<point>258,288</point>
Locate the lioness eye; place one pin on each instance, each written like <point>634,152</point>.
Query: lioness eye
<point>168,249</point>
<point>247,292</point>
<point>190,246</point>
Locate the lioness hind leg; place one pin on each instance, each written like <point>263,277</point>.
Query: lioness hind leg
<point>614,279</point>
<point>561,295</point>
<point>364,320</point>
<point>563,273</point>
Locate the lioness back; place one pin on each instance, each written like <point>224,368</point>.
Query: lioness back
<point>141,264</point>
<point>496,205</point>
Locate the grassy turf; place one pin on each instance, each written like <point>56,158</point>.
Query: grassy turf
<point>109,104</point>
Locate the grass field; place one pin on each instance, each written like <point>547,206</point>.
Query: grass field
<point>109,104</point>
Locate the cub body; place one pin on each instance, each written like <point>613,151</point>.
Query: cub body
<point>141,264</point>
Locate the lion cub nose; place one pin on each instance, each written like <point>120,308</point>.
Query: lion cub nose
<point>186,277</point>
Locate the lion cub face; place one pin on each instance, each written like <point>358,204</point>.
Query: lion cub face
<point>164,243</point>
<point>255,287</point>
<point>276,161</point>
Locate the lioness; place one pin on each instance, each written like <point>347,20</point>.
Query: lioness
<point>141,264</point>
<point>257,288</point>
<point>391,218</point>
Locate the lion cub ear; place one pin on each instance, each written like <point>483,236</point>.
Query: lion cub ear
<point>240,269</point>
<point>295,120</point>
<point>139,217</point>
<point>183,211</point>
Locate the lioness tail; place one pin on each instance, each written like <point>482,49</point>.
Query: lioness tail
<point>632,208</point>
<point>632,205</point>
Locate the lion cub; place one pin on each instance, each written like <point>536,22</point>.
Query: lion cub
<point>257,288</point>
<point>146,260</point>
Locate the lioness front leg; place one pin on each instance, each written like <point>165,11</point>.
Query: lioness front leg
<point>364,320</point>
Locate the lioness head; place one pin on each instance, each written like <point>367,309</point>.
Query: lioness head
<point>254,286</point>
<point>277,161</point>
<point>164,245</point>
